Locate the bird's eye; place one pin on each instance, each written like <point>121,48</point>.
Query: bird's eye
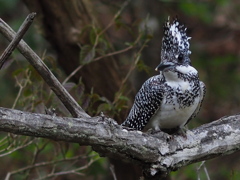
<point>180,58</point>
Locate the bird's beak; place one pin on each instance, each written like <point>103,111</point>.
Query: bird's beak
<point>163,66</point>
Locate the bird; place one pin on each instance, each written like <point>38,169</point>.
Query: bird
<point>168,101</point>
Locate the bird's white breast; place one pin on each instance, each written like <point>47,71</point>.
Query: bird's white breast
<point>186,69</point>
<point>171,114</point>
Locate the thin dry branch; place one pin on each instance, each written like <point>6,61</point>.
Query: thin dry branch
<point>41,164</point>
<point>17,148</point>
<point>19,35</point>
<point>45,73</point>
<point>156,153</point>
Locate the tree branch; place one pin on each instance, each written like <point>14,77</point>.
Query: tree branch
<point>45,73</point>
<point>158,154</point>
<point>19,35</point>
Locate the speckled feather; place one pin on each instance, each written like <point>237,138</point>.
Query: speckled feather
<point>147,101</point>
<point>174,42</point>
<point>174,97</point>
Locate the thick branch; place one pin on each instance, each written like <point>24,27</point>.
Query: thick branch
<point>45,73</point>
<point>157,153</point>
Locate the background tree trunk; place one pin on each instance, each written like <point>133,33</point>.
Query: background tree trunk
<point>61,23</point>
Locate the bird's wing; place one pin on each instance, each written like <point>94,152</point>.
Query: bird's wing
<point>147,102</point>
<point>202,95</point>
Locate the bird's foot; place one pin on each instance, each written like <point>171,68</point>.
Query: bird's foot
<point>181,132</point>
<point>159,134</point>
<point>128,128</point>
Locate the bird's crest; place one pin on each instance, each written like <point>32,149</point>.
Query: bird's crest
<point>175,42</point>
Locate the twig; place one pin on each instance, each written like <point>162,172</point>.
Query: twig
<point>133,66</point>
<point>123,6</point>
<point>202,165</point>
<point>68,101</point>
<point>97,39</point>
<point>21,85</point>
<point>206,172</point>
<point>73,171</point>
<point>198,170</point>
<point>97,59</point>
<point>112,169</point>
<point>41,164</point>
<point>22,30</point>
<point>17,148</point>
<point>2,141</point>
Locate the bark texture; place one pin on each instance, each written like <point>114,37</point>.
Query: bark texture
<point>158,153</point>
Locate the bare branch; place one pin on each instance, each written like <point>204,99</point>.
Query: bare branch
<point>21,86</point>
<point>97,59</point>
<point>41,164</point>
<point>22,30</point>
<point>156,153</point>
<point>73,171</point>
<point>112,169</point>
<point>17,148</point>
<point>45,73</point>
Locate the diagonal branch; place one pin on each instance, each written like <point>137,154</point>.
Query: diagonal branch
<point>156,153</point>
<point>45,73</point>
<point>19,35</point>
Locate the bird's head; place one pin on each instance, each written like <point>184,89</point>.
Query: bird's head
<point>175,46</point>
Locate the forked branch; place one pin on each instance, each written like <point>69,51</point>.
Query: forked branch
<point>45,73</point>
<point>157,153</point>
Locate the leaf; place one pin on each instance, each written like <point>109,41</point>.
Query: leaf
<point>18,71</point>
<point>69,86</point>
<point>141,66</point>
<point>85,102</point>
<point>87,54</point>
<point>80,89</point>
<point>104,107</point>
<point>27,92</point>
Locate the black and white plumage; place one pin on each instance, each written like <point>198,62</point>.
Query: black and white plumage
<point>172,98</point>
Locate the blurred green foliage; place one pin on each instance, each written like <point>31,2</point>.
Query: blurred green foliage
<point>219,71</point>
